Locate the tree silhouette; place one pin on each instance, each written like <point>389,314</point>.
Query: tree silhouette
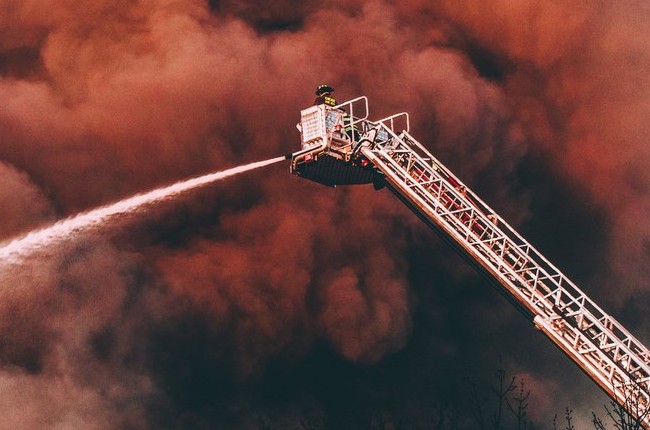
<point>507,394</point>
<point>623,416</point>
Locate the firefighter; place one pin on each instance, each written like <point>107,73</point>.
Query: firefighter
<point>324,96</point>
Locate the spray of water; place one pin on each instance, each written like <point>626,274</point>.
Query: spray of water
<point>19,248</point>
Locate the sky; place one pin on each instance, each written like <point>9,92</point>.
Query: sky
<point>264,299</point>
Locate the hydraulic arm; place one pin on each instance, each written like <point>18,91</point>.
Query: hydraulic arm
<point>341,146</point>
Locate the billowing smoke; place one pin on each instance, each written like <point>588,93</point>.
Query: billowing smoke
<point>266,296</point>
<point>578,85</point>
<point>23,204</point>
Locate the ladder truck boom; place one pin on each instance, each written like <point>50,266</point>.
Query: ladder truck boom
<point>341,146</point>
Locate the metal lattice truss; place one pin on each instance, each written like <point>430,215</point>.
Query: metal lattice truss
<point>600,345</point>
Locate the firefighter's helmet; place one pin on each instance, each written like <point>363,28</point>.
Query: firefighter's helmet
<point>323,89</point>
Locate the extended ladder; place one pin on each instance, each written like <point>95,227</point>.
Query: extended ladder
<point>600,345</point>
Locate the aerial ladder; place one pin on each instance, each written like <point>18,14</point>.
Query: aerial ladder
<point>341,146</point>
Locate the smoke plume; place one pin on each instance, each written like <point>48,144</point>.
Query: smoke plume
<point>267,296</point>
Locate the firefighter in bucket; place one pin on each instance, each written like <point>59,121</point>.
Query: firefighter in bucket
<point>324,97</point>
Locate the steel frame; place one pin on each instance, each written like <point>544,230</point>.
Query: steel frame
<point>600,345</point>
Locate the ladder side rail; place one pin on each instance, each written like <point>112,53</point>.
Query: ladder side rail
<point>558,277</point>
<point>461,230</point>
<point>562,281</point>
<point>543,292</point>
<point>573,294</point>
<point>485,224</point>
<point>527,270</point>
<point>627,393</point>
<point>579,300</point>
<point>536,299</point>
<point>595,361</point>
<point>567,289</point>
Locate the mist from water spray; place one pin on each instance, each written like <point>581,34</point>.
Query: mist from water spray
<point>18,249</point>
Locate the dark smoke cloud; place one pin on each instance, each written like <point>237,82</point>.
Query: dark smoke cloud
<point>580,88</point>
<point>57,316</point>
<point>268,296</point>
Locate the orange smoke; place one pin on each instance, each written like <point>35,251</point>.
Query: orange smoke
<point>106,99</point>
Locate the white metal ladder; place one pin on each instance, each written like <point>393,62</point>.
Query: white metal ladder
<point>601,346</point>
